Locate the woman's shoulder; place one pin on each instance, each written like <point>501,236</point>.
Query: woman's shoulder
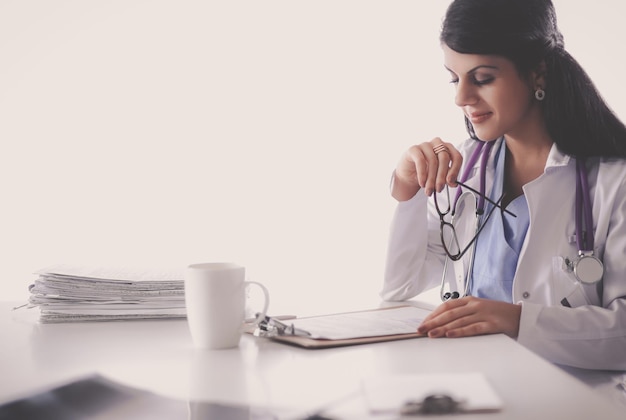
<point>614,165</point>
<point>611,174</point>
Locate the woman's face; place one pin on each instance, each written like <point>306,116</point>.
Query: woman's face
<point>492,94</point>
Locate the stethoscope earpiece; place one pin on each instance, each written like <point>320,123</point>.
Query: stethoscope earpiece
<point>447,296</point>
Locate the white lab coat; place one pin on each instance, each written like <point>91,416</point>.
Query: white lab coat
<point>591,333</point>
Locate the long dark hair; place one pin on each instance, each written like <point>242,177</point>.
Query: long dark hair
<point>525,32</point>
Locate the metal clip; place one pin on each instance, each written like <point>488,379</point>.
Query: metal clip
<point>568,265</point>
<point>272,327</point>
<point>432,404</point>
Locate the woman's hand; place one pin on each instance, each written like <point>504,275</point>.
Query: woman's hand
<point>429,165</point>
<point>469,316</point>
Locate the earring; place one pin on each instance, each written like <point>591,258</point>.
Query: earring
<point>540,94</point>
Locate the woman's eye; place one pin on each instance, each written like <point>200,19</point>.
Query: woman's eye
<point>477,82</point>
<point>484,81</point>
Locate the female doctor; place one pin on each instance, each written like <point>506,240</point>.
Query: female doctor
<point>547,263</point>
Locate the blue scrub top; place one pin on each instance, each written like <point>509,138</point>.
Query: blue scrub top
<point>499,244</point>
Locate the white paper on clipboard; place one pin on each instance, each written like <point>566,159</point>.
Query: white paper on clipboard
<point>374,323</point>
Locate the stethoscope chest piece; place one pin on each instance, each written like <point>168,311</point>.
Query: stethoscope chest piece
<point>588,269</point>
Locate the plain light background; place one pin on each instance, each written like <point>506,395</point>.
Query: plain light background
<point>165,133</point>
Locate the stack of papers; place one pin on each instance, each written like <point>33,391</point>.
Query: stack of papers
<point>70,293</point>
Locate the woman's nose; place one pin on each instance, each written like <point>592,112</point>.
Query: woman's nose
<point>465,94</point>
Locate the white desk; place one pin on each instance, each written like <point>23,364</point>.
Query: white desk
<point>158,356</point>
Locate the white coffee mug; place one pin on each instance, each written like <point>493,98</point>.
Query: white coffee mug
<point>215,297</point>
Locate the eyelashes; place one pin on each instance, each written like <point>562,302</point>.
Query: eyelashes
<point>476,82</point>
<point>483,81</point>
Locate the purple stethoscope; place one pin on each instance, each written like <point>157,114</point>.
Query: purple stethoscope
<point>587,268</point>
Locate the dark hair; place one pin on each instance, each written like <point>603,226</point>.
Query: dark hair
<point>525,32</point>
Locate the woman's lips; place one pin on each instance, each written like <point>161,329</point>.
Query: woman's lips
<point>479,117</point>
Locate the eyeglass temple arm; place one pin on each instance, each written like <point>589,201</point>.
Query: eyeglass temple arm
<point>486,198</point>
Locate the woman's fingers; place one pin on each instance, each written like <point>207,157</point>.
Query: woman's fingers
<point>429,166</point>
<point>456,161</point>
<point>444,158</point>
<point>432,168</point>
<point>472,316</point>
<point>444,313</point>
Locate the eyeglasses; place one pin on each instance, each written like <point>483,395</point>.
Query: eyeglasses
<point>447,229</point>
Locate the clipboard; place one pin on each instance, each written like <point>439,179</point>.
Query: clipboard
<point>320,343</point>
<point>349,328</point>
<point>409,394</point>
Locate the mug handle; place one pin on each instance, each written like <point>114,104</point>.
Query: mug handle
<point>261,315</point>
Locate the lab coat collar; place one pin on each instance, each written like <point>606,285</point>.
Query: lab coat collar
<point>556,158</point>
<point>490,163</point>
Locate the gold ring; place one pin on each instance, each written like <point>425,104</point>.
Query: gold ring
<point>440,148</point>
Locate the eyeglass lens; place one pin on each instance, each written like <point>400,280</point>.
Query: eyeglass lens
<point>463,230</point>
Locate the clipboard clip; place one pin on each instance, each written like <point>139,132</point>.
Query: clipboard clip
<point>432,404</point>
<point>272,327</point>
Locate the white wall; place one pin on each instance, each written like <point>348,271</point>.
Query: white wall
<point>163,133</point>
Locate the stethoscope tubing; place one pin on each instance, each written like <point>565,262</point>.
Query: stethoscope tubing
<point>584,236</point>
<point>583,212</point>
<point>483,150</point>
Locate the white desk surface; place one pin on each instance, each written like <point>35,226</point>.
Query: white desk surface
<point>158,356</point>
